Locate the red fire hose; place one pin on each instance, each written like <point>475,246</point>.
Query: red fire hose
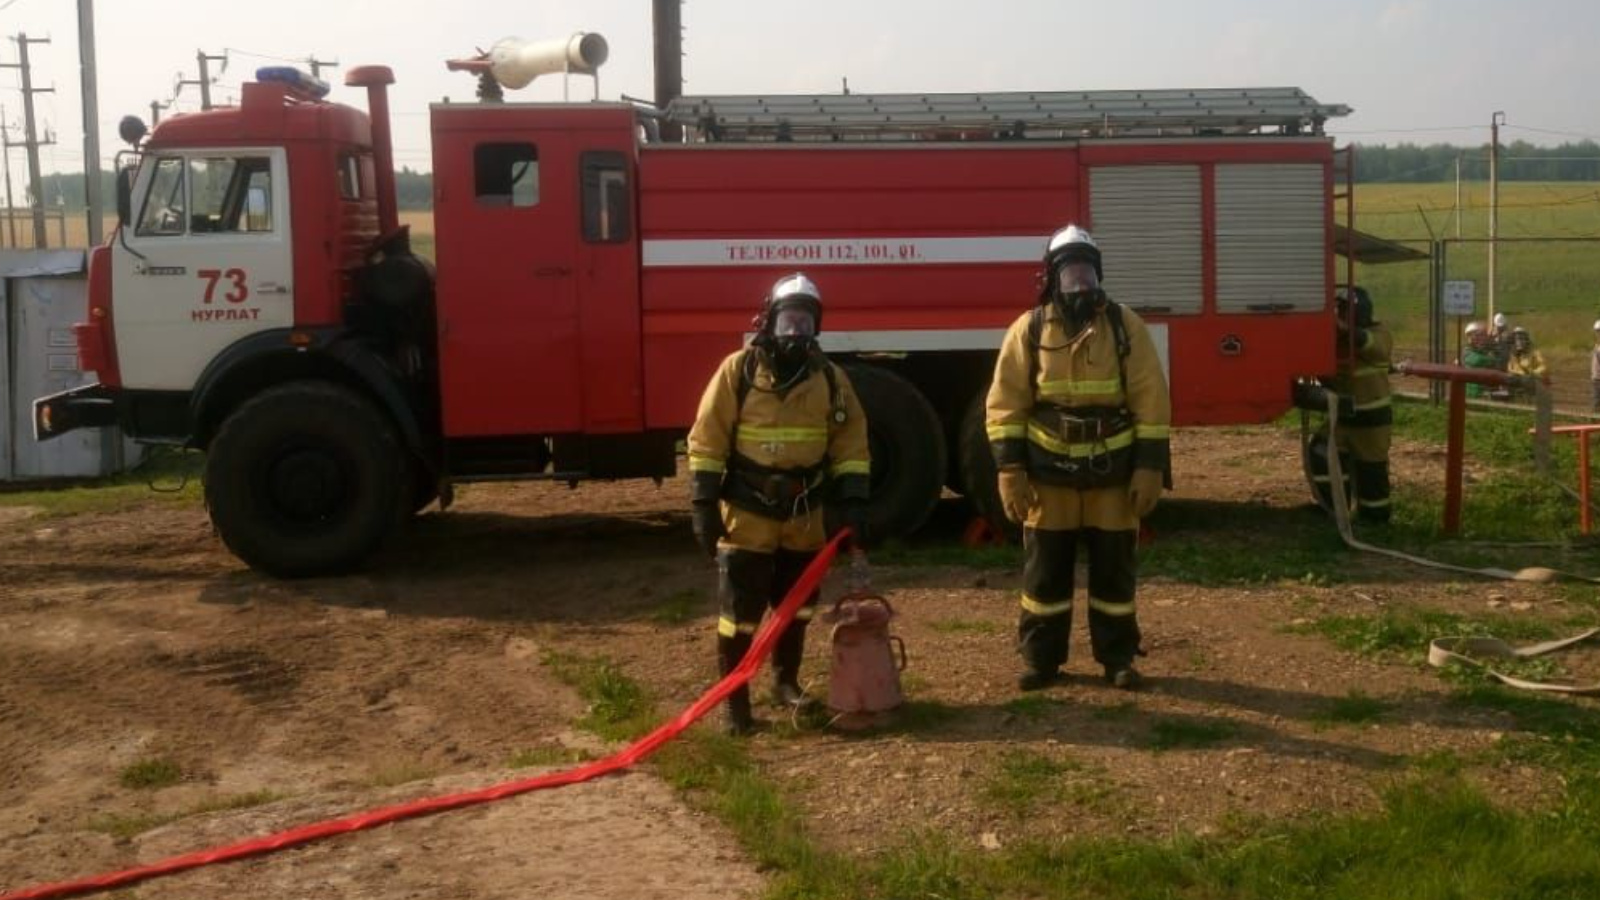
<point>305,834</point>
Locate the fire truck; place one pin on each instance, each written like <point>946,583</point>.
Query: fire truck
<point>594,261</point>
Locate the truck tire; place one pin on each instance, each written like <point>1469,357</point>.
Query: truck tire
<point>908,453</point>
<point>978,472</point>
<point>306,478</point>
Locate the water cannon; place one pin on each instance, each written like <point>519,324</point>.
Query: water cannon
<point>513,63</point>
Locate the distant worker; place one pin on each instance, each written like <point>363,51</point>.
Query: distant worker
<point>1479,354</point>
<point>1500,332</point>
<point>779,433</point>
<point>1361,377</point>
<point>1594,370</point>
<point>1078,418</point>
<point>1525,360</point>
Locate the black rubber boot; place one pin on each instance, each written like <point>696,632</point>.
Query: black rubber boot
<point>1125,678</point>
<point>730,650</point>
<point>786,657</point>
<point>1039,679</point>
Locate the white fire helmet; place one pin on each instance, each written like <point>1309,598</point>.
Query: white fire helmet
<point>1500,321</point>
<point>794,308</point>
<point>1474,328</point>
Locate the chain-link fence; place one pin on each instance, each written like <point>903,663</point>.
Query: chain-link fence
<point>1547,285</point>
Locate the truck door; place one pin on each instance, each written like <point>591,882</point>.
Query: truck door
<point>506,203</point>
<point>207,260</point>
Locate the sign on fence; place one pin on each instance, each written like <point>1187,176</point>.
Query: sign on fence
<point>1460,298</point>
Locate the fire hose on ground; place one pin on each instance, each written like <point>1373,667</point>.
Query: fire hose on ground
<point>1467,651</point>
<point>760,649</point>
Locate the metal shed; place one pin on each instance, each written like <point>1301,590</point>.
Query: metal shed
<point>42,292</point>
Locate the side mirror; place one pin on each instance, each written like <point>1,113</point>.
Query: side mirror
<point>132,130</point>
<point>124,196</point>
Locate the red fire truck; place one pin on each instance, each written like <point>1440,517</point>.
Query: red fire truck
<point>260,300</point>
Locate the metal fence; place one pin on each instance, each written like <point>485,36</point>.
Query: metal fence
<point>1550,286</point>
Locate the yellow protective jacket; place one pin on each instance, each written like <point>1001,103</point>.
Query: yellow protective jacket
<point>794,441</point>
<point>1364,377</point>
<point>1529,363</point>
<point>1075,411</point>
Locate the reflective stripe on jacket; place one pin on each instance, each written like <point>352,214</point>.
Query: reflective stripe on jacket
<point>1364,377</point>
<point>793,431</point>
<point>1077,410</point>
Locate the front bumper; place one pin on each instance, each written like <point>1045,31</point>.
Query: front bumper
<point>90,406</point>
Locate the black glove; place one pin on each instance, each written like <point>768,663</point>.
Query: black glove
<point>708,526</point>
<point>853,515</point>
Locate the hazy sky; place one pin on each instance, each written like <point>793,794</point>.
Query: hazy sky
<point>1414,70</point>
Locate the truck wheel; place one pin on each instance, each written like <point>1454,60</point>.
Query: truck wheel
<point>978,471</point>
<point>908,454</point>
<point>307,478</point>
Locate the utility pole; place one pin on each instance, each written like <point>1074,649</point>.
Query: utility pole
<point>1494,200</point>
<point>317,65</point>
<point>91,122</point>
<point>667,16</point>
<point>5,141</point>
<point>204,81</point>
<point>1458,196</point>
<point>30,141</point>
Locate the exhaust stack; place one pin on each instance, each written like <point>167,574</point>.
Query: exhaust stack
<point>376,79</point>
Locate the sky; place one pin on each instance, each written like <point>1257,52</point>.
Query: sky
<point>1418,71</point>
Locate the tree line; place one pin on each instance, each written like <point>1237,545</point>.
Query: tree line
<point>1519,161</point>
<point>1375,163</point>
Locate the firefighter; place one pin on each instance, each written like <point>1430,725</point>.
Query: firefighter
<point>778,430</point>
<point>1525,360</point>
<point>1366,417</point>
<point>1480,354</point>
<point>1078,417</point>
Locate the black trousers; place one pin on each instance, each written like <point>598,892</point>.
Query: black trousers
<point>1046,621</point>
<point>748,584</point>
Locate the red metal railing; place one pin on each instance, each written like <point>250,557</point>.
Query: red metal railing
<point>1458,377</point>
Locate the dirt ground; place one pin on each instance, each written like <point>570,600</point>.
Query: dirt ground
<point>134,635</point>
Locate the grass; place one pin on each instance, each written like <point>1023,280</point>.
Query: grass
<point>176,479</point>
<point>680,608</point>
<point>1436,837</point>
<point>1546,286</point>
<point>966,626</point>
<point>1355,708</point>
<point>1403,632</point>
<point>1189,734</point>
<point>150,774</point>
<point>546,756</point>
<point>619,708</point>
<point>395,774</point>
<point>1552,732</point>
<point>124,827</point>
<point>1032,706</point>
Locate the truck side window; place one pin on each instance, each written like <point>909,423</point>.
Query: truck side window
<point>607,205</point>
<point>506,174</point>
<point>230,194</point>
<point>349,177</point>
<point>164,207</point>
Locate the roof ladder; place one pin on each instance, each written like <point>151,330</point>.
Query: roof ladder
<point>1002,116</point>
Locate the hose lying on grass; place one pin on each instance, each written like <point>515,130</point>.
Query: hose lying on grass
<point>629,756</point>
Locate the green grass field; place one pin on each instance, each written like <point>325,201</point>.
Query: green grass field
<point>1550,287</point>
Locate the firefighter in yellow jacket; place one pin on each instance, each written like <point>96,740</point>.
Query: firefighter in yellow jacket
<point>1078,418</point>
<point>1366,420</point>
<point>779,431</point>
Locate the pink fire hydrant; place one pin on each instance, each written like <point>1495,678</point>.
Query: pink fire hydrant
<point>864,686</point>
